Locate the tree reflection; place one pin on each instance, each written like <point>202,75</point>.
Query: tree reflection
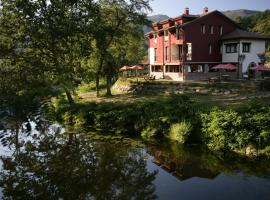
<point>64,166</point>
<point>186,162</point>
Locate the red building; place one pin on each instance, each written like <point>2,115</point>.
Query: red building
<point>187,46</point>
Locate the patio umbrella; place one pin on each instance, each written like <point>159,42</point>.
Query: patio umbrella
<point>136,67</point>
<point>224,66</point>
<point>260,68</point>
<point>124,68</point>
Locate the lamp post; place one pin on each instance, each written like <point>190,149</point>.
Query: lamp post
<point>241,58</point>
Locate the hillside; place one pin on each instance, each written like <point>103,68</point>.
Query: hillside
<point>234,14</point>
<point>154,18</point>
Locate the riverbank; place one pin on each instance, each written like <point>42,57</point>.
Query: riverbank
<point>239,121</point>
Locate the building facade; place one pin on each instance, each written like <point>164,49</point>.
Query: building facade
<point>188,46</point>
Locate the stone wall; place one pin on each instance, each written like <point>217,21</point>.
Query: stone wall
<point>206,76</point>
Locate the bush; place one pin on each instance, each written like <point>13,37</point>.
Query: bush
<point>265,85</point>
<point>221,128</point>
<point>180,132</point>
<point>265,151</point>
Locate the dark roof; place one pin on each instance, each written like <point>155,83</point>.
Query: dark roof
<point>202,17</point>
<point>241,34</point>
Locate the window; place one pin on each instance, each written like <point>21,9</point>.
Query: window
<point>195,68</point>
<point>246,47</point>
<point>211,28</point>
<point>210,49</point>
<point>166,35</point>
<point>156,68</point>
<point>171,68</point>
<point>166,53</point>
<point>155,54</point>
<point>231,48</point>
<point>221,30</point>
<point>155,37</point>
<point>203,28</point>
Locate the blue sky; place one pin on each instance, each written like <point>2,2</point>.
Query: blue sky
<point>174,8</point>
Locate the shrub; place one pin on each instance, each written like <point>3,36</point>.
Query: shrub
<point>265,85</point>
<point>220,129</point>
<point>180,131</point>
<point>265,151</point>
<point>149,133</point>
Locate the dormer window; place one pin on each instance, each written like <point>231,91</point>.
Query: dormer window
<point>155,37</point>
<point>166,35</point>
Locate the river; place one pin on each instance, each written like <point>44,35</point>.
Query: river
<point>50,162</point>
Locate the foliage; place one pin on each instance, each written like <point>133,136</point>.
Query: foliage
<point>151,118</point>
<point>180,131</point>
<point>259,22</point>
<point>265,85</point>
<point>220,129</point>
<point>234,130</point>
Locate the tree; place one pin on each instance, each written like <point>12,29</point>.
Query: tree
<point>49,37</point>
<point>118,18</point>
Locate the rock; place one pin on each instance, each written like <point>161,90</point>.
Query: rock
<point>227,92</point>
<point>250,150</point>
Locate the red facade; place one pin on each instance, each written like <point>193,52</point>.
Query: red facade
<point>188,40</point>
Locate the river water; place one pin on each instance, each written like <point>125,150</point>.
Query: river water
<point>49,162</point>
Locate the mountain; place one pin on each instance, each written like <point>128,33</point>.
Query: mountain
<point>157,18</point>
<point>154,18</point>
<point>233,14</point>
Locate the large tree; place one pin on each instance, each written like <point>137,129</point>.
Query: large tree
<point>120,21</point>
<point>45,40</point>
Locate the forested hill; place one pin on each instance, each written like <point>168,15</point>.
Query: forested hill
<point>234,14</point>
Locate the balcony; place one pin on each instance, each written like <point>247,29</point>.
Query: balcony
<point>177,58</point>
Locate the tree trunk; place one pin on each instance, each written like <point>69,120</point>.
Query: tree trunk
<point>69,96</point>
<point>98,75</point>
<point>108,85</point>
<point>97,84</point>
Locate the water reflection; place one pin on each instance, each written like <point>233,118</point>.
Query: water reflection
<point>185,162</point>
<point>43,161</point>
<point>63,165</point>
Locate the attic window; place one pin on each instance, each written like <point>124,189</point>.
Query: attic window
<point>203,28</point>
<point>211,28</point>
<point>221,30</point>
<point>166,33</point>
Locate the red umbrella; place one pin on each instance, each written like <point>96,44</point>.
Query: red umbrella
<point>260,68</point>
<point>137,67</point>
<point>124,68</point>
<point>225,66</point>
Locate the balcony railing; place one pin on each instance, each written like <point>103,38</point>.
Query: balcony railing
<point>177,57</point>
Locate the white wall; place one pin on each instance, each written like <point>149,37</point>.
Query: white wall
<point>229,57</point>
<point>151,53</point>
<point>256,47</point>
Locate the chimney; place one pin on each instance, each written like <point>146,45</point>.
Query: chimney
<point>186,11</point>
<point>205,11</point>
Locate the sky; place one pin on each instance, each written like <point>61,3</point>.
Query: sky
<point>174,8</point>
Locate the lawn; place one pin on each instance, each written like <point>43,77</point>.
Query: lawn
<point>216,94</point>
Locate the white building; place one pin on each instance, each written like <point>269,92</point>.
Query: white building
<point>246,49</point>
